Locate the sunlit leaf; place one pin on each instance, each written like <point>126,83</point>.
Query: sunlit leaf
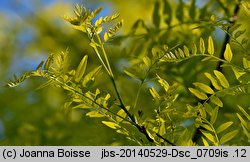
<point>111,124</point>
<point>81,106</point>
<point>243,122</point>
<point>237,72</point>
<point>204,141</point>
<point>223,127</point>
<point>205,88</point>
<point>181,53</point>
<point>154,93</point>
<point>222,79</point>
<point>228,55</point>
<point>91,76</point>
<point>95,114</point>
<point>105,37</point>
<point>207,127</point>
<point>81,69</point>
<point>163,83</point>
<point>198,94</point>
<point>210,48</point>
<point>122,113</point>
<point>147,61</point>
<point>208,135</point>
<point>244,112</point>
<point>110,18</point>
<point>246,63</point>
<point>216,101</point>
<point>202,46</point>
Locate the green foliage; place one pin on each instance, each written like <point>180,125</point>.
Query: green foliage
<point>175,81</point>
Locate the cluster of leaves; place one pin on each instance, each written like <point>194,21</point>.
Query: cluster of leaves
<point>167,125</point>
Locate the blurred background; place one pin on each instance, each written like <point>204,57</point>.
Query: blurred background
<point>32,29</point>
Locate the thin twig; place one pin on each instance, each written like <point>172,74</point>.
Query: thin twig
<point>166,140</point>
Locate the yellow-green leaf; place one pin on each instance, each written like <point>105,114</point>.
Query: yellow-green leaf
<point>237,72</point>
<point>198,94</point>
<point>208,135</point>
<point>216,101</point>
<point>227,137</point>
<point>147,61</point>
<point>246,63</point>
<point>154,93</point>
<point>228,55</point>
<point>243,122</point>
<point>95,114</point>
<point>210,45</point>
<point>244,112</point>
<point>224,126</point>
<point>81,69</point>
<point>111,124</point>
<point>91,76</point>
<point>207,127</point>
<point>98,22</point>
<point>49,62</point>
<point>105,37</point>
<point>186,51</point>
<point>214,115</point>
<point>131,74</point>
<point>181,53</point>
<point>202,46</point>
<point>205,88</point>
<point>222,79</point>
<point>163,83</point>
<point>81,106</point>
<point>204,141</point>
<point>81,28</point>
<point>122,113</point>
